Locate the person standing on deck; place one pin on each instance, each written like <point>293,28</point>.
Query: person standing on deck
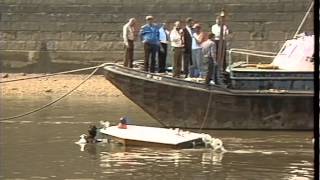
<point>216,29</point>
<point>176,37</point>
<point>196,69</point>
<point>128,39</point>
<point>209,57</point>
<point>187,36</point>
<point>164,40</point>
<point>149,34</point>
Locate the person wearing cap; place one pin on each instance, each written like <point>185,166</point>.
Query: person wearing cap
<point>149,34</point>
<point>128,39</point>
<point>164,40</point>
<point>177,43</point>
<point>187,36</point>
<point>197,39</point>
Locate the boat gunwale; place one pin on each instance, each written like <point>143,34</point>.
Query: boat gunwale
<point>123,138</point>
<point>204,88</point>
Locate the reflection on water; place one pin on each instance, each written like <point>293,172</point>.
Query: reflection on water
<point>41,146</point>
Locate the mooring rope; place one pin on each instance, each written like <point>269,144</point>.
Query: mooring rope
<point>52,102</point>
<point>54,74</point>
<point>207,111</point>
<point>303,20</point>
<point>300,26</point>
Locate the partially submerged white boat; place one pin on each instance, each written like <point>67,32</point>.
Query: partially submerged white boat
<point>160,137</point>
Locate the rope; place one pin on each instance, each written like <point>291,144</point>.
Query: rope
<point>300,26</point>
<point>207,111</point>
<point>52,102</point>
<point>303,20</point>
<point>54,74</point>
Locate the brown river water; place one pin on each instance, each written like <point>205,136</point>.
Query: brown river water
<point>41,146</point>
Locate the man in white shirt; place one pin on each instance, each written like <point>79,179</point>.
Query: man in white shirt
<point>216,29</point>
<point>164,40</point>
<point>177,43</point>
<point>128,38</point>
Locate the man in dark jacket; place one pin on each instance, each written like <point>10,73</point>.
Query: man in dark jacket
<point>187,36</point>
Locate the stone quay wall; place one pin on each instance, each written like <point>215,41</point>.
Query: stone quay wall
<point>60,33</point>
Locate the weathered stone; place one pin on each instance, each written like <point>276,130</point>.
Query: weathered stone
<point>66,36</point>
<point>9,56</point>
<point>8,35</point>
<point>63,45</point>
<point>27,35</point>
<point>31,45</point>
<point>92,36</point>
<point>111,36</point>
<point>92,30</point>
<point>16,45</point>
<point>276,35</point>
<point>49,36</point>
<point>241,35</point>
<point>257,35</point>
<point>81,57</point>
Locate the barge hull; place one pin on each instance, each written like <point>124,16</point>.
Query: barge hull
<point>174,104</point>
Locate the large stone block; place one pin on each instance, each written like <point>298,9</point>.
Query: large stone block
<point>66,35</point>
<point>280,26</point>
<point>63,45</point>
<point>241,35</point>
<point>258,35</point>
<point>24,26</point>
<point>32,45</point>
<point>254,7</point>
<point>71,29</point>
<point>8,56</point>
<point>240,26</point>
<point>15,45</point>
<point>111,36</point>
<point>8,35</point>
<point>49,35</point>
<point>85,57</point>
<point>276,35</point>
<point>6,26</point>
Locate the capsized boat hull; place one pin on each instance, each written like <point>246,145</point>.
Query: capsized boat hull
<point>153,137</point>
<point>177,103</point>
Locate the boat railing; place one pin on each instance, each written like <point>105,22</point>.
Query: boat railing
<point>248,53</point>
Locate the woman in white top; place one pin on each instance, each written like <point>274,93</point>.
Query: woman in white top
<point>196,70</point>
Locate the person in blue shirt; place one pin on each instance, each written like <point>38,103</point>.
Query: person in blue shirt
<point>164,41</point>
<point>149,34</point>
